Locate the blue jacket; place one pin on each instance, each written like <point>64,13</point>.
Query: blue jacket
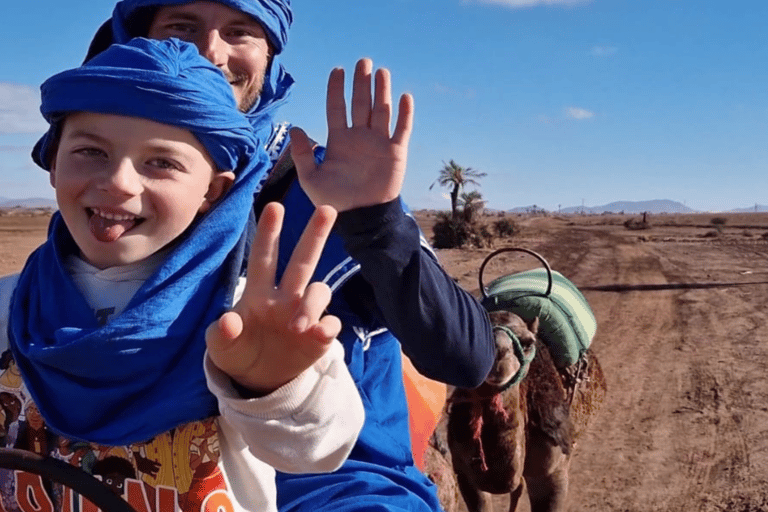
<point>389,292</point>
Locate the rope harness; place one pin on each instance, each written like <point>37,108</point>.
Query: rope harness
<point>491,395</point>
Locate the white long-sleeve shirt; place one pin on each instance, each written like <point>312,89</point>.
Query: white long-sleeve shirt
<point>222,463</point>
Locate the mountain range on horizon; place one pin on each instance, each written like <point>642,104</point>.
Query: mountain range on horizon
<point>654,206</point>
<point>30,202</point>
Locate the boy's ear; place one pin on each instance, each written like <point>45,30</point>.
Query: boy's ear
<point>220,184</point>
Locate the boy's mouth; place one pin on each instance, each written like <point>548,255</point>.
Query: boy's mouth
<point>108,226</point>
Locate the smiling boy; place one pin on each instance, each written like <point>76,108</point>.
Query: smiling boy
<point>155,169</point>
<point>127,187</point>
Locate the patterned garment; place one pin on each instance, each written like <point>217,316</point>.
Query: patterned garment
<point>174,469</point>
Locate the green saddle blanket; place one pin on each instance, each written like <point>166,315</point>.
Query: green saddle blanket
<point>566,322</point>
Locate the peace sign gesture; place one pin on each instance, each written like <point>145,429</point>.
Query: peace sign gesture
<point>276,332</point>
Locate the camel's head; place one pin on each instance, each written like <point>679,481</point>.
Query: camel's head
<point>507,362</point>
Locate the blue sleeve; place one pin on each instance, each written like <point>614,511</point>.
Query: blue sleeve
<point>443,329</point>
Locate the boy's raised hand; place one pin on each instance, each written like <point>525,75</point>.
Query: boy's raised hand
<point>276,332</point>
<point>363,165</point>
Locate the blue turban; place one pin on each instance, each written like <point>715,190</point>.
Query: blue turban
<point>274,15</point>
<point>168,82</point>
<point>141,374</point>
<point>276,18</point>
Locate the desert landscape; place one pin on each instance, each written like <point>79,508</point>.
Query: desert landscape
<point>685,423</point>
<point>681,337</point>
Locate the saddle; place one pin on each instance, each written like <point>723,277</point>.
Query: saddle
<point>567,324</point>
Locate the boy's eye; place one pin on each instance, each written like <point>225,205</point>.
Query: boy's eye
<point>90,152</point>
<point>163,163</point>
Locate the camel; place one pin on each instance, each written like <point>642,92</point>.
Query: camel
<point>516,432</point>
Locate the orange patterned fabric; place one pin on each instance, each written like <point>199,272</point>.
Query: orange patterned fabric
<point>426,399</point>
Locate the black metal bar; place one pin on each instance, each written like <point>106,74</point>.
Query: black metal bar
<point>66,474</point>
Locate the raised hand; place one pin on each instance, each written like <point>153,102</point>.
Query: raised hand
<point>276,332</point>
<point>363,164</point>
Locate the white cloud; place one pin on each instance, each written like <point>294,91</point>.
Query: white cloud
<point>603,51</point>
<point>446,90</point>
<point>20,109</point>
<point>578,113</point>
<point>518,4</point>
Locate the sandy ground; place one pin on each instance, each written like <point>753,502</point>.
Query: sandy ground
<point>685,425</point>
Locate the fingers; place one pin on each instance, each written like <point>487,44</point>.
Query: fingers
<point>404,125</point>
<point>382,104</point>
<point>326,330</point>
<point>307,252</point>
<point>361,93</point>
<point>335,104</point>
<point>311,309</point>
<point>371,110</point>
<point>262,262</point>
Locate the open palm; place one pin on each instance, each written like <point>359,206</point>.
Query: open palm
<point>363,164</point>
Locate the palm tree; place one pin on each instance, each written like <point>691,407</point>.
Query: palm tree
<point>471,202</point>
<point>455,176</point>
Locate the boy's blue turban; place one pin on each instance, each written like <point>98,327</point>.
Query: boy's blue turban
<point>141,374</point>
<point>164,81</point>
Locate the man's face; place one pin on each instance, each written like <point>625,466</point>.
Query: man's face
<point>232,40</point>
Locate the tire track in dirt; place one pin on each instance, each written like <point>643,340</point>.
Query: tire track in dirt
<point>723,400</point>
<point>685,425</point>
<point>627,449</point>
<point>677,420</point>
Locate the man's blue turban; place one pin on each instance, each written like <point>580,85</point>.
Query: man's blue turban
<point>274,15</point>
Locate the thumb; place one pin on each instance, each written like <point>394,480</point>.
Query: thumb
<point>301,152</point>
<point>220,335</point>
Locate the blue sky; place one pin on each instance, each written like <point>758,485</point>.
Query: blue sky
<point>560,102</point>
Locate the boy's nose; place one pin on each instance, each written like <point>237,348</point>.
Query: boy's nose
<point>213,48</point>
<point>122,179</point>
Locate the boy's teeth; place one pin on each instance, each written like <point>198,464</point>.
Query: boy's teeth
<point>108,227</point>
<point>113,216</point>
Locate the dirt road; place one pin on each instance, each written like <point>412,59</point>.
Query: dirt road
<point>685,425</point>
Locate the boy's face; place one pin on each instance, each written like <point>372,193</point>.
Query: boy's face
<point>232,40</point>
<point>127,187</point>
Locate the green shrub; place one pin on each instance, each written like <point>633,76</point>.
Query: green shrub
<point>449,233</point>
<point>504,227</point>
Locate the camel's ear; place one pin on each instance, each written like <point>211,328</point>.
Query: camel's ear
<point>533,326</point>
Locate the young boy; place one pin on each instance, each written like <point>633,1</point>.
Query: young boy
<point>155,170</point>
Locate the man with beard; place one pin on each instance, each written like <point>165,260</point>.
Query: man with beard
<point>388,288</point>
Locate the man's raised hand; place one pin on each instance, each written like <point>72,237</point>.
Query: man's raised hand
<point>363,164</point>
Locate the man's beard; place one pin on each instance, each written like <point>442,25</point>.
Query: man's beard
<point>250,95</point>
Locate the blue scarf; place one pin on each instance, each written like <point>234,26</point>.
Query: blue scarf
<point>275,16</point>
<point>142,373</point>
